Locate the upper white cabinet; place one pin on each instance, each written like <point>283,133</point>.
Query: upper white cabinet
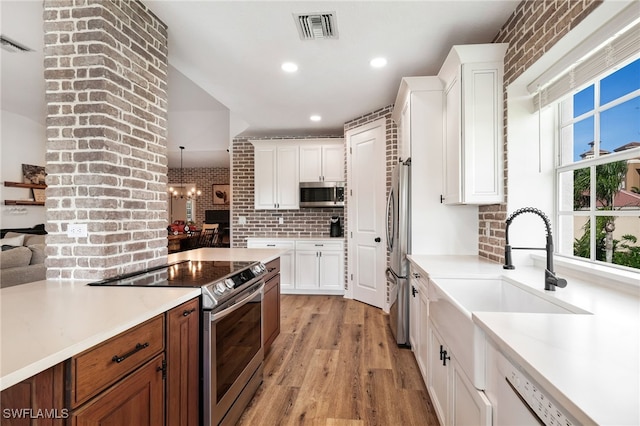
<point>418,104</point>
<point>276,176</point>
<point>322,161</point>
<point>473,147</point>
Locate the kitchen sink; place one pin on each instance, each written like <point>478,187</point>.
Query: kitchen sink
<point>452,301</point>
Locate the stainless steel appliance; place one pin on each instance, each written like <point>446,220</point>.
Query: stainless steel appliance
<point>399,245</point>
<point>321,194</point>
<point>231,328</point>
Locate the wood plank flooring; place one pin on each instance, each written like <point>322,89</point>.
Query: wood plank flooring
<point>335,363</point>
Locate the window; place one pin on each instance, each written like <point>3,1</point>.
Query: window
<point>598,176</point>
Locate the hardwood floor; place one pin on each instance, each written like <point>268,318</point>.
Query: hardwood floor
<point>336,363</point>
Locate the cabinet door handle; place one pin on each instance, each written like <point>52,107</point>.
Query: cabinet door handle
<point>445,358</point>
<point>441,352</point>
<point>139,347</point>
<point>416,275</point>
<point>413,293</point>
<point>271,245</point>
<point>186,313</point>
<point>271,269</point>
<point>319,245</point>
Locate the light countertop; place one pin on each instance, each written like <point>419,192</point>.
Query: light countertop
<point>590,363</point>
<point>46,322</point>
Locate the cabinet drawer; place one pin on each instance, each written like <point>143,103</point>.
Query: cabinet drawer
<point>320,245</point>
<point>97,368</point>
<point>273,268</point>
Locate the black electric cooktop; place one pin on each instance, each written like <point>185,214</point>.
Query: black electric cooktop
<point>187,273</point>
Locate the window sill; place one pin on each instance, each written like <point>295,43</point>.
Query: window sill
<point>615,278</point>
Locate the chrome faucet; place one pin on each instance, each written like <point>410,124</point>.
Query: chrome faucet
<point>551,281</point>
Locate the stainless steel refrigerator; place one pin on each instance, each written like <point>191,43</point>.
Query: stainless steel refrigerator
<point>399,245</point>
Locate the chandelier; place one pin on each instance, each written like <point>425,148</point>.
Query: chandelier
<point>191,193</point>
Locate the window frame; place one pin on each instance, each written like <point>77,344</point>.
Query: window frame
<point>592,163</point>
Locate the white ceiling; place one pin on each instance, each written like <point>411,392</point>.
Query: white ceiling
<point>225,78</point>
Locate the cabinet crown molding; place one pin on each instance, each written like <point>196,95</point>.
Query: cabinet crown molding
<point>470,53</point>
<point>297,142</point>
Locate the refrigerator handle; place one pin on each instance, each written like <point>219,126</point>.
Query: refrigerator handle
<point>391,222</point>
<point>396,276</point>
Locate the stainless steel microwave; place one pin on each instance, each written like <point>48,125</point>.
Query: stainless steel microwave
<point>321,194</point>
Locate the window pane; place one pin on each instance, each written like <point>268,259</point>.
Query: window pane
<point>620,83</point>
<point>576,190</point>
<point>583,101</point>
<point>583,139</point>
<point>617,240</point>
<point>581,236</point>
<point>620,125</point>
<point>610,179</point>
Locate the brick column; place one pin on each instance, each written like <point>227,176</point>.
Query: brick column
<point>106,91</point>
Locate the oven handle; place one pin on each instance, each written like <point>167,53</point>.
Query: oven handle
<point>230,309</point>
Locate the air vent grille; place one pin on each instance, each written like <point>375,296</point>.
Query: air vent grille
<point>313,26</point>
<point>12,46</point>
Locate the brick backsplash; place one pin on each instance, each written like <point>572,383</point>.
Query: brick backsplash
<point>302,223</point>
<point>533,28</point>
<point>204,178</point>
<point>106,92</point>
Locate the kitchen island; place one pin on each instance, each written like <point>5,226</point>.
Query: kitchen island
<point>46,322</point>
<point>588,362</point>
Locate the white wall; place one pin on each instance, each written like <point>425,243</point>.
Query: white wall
<point>22,141</point>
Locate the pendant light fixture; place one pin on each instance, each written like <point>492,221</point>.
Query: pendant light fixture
<point>190,194</point>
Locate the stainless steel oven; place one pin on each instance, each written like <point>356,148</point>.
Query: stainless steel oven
<point>231,352</point>
<point>232,356</point>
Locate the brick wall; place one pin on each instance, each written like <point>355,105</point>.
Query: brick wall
<point>204,178</point>
<point>106,73</point>
<point>302,223</point>
<point>533,28</point>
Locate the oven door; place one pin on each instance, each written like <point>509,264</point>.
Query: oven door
<point>232,356</point>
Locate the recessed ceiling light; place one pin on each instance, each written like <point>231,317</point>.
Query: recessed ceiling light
<point>289,67</point>
<point>378,62</point>
<point>315,118</point>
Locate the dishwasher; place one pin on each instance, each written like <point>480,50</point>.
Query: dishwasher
<point>516,399</point>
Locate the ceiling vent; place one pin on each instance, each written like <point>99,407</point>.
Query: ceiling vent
<point>12,46</point>
<point>313,26</point>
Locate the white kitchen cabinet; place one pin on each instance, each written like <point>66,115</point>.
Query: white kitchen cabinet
<point>320,266</point>
<point>418,317</point>
<point>322,162</point>
<point>455,399</point>
<point>474,107</point>
<point>276,177</point>
<point>414,311</point>
<point>312,266</point>
<point>287,260</point>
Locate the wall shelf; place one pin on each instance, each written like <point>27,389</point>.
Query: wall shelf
<point>24,185</point>
<point>23,202</point>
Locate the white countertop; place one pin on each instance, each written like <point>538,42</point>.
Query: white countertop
<point>589,363</point>
<point>46,322</point>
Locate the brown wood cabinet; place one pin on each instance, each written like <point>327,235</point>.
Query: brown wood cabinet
<point>97,368</point>
<point>183,364</point>
<point>137,400</point>
<point>36,401</point>
<point>127,380</point>
<point>271,311</point>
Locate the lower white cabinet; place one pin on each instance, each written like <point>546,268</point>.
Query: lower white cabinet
<point>418,317</point>
<point>455,399</point>
<point>310,267</point>
<point>287,260</point>
<point>320,266</point>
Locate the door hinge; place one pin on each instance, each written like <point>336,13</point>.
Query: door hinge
<point>163,368</point>
<point>351,277</point>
